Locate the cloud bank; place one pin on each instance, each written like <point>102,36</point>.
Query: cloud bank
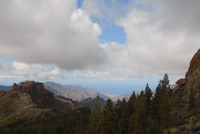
<point>49,31</point>
<point>161,37</point>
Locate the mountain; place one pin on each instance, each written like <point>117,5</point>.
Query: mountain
<point>121,97</point>
<point>29,100</point>
<point>30,108</point>
<point>185,100</point>
<point>76,92</point>
<point>124,96</point>
<point>91,102</point>
<point>5,87</point>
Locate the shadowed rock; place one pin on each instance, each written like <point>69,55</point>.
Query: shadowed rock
<point>181,82</point>
<point>194,68</point>
<point>39,95</point>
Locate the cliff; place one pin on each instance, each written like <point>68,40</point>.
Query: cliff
<point>185,100</point>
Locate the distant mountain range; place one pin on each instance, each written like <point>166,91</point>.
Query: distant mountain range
<point>5,87</point>
<point>76,92</point>
<point>30,100</point>
<point>120,97</point>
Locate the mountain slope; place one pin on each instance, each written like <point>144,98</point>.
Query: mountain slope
<point>29,100</point>
<point>91,102</point>
<point>75,92</point>
<point>185,100</point>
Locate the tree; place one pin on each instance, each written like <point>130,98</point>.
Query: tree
<point>160,105</point>
<point>164,106</point>
<point>97,106</point>
<point>126,114</point>
<point>186,75</point>
<point>165,80</point>
<point>148,97</point>
<point>165,109</point>
<point>155,104</point>
<point>119,107</point>
<point>93,122</point>
<point>140,122</point>
<point>94,118</point>
<point>108,121</point>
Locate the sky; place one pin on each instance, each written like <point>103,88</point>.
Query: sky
<point>114,45</point>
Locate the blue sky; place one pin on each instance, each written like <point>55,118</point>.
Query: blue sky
<point>115,45</point>
<point>110,31</point>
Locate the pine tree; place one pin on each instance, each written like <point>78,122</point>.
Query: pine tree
<point>94,118</point>
<point>126,114</point>
<point>155,104</point>
<point>93,122</point>
<point>186,75</point>
<point>97,107</point>
<point>108,121</point>
<point>148,97</point>
<point>119,107</point>
<point>160,105</point>
<point>165,80</point>
<point>140,122</point>
<point>165,109</point>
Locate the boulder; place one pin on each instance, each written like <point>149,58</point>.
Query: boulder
<point>181,82</point>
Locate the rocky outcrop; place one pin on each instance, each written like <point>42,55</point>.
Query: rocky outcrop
<point>39,95</point>
<point>181,82</point>
<point>194,68</point>
<point>30,100</point>
<point>194,73</point>
<point>185,119</point>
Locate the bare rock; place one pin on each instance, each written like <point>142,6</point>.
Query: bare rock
<point>195,65</point>
<point>39,95</point>
<point>181,82</point>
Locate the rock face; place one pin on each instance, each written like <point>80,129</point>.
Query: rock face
<point>39,95</point>
<point>194,73</point>
<point>181,82</point>
<point>30,100</point>
<point>194,68</point>
<point>185,119</point>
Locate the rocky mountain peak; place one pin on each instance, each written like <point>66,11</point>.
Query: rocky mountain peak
<point>194,68</point>
<point>192,81</point>
<point>39,95</point>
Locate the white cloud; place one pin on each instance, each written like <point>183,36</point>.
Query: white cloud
<point>36,71</point>
<point>49,31</point>
<point>161,37</point>
<point>151,49</point>
<point>108,10</point>
<point>25,71</point>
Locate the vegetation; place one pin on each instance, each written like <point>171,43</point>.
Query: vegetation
<point>144,113</point>
<point>74,123</point>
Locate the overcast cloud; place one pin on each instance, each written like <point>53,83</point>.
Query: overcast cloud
<point>49,31</point>
<point>162,37</point>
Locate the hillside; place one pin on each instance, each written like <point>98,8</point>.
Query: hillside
<point>29,100</point>
<point>185,100</point>
<point>75,92</point>
<point>92,102</point>
<point>30,108</point>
